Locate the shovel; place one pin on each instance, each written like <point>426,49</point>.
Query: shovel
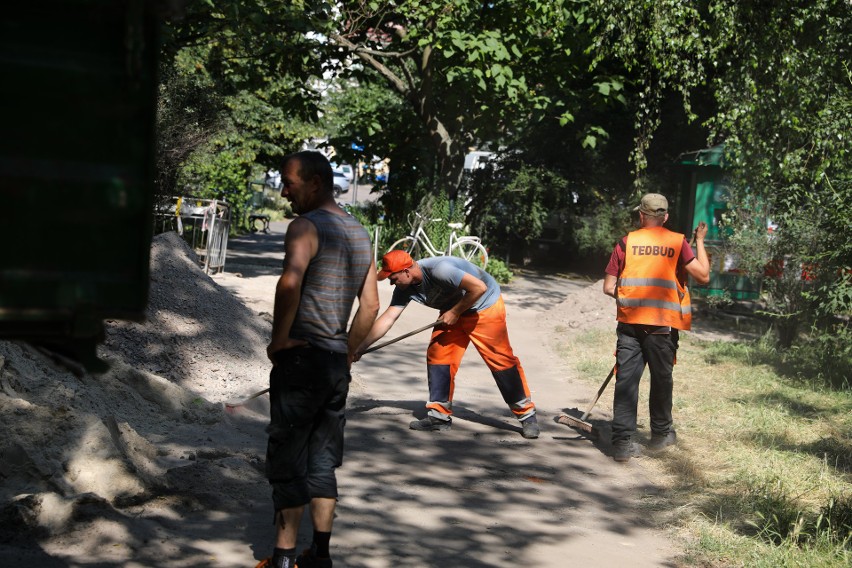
<point>580,423</point>
<point>230,406</point>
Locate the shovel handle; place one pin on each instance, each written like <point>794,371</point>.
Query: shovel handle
<point>600,392</point>
<point>401,337</point>
<point>371,349</point>
<point>249,399</point>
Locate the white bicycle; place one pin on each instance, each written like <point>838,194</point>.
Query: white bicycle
<point>418,244</point>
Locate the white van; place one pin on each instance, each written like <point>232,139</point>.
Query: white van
<point>347,170</point>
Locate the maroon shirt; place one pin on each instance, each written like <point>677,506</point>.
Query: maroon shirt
<point>616,260</point>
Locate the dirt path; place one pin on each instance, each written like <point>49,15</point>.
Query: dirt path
<point>141,466</point>
<point>479,495</point>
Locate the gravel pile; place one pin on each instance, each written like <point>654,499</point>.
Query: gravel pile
<point>78,446</point>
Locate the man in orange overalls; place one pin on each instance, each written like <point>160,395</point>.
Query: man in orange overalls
<point>646,275</point>
<point>472,310</point>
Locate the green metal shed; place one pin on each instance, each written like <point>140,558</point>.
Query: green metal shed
<point>704,198</point>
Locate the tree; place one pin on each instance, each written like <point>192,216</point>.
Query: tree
<point>236,90</point>
<point>471,72</point>
<point>785,114</point>
<point>778,73</point>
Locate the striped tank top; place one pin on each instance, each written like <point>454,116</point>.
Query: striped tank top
<point>332,281</point>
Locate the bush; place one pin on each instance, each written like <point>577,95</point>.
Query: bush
<point>498,269</point>
<point>596,233</point>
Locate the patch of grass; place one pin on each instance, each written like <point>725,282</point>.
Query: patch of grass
<point>762,474</point>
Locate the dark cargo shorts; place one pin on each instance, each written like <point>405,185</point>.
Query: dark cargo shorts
<point>307,395</point>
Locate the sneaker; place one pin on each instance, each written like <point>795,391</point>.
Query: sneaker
<point>267,563</point>
<point>530,427</point>
<point>661,441</point>
<point>625,450</point>
<point>430,423</point>
<point>309,559</point>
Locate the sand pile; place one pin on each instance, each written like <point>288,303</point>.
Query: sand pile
<point>584,309</point>
<point>196,334</point>
<point>152,425</point>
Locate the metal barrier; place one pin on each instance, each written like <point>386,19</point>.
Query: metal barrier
<point>203,223</point>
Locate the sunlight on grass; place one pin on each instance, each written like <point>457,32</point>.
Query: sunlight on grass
<point>762,475</point>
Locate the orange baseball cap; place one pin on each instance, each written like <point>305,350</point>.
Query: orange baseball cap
<point>394,261</point>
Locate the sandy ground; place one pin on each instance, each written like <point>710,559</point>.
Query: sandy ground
<point>143,466</point>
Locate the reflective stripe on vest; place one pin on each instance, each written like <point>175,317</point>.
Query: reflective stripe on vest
<point>659,282</point>
<point>648,290</point>
<point>660,304</point>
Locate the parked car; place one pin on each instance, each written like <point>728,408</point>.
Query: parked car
<point>347,170</point>
<point>341,183</point>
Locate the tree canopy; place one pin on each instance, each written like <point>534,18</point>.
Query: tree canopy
<point>472,72</point>
<point>590,102</point>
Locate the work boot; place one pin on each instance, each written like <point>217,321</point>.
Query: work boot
<point>309,559</point>
<point>623,450</point>
<point>661,441</point>
<point>530,427</point>
<point>430,423</point>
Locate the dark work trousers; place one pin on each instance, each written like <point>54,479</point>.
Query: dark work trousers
<point>638,345</point>
<point>308,387</point>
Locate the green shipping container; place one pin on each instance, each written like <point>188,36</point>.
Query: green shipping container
<point>76,167</point>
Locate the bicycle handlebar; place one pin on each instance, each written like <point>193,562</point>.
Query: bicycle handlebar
<point>420,217</point>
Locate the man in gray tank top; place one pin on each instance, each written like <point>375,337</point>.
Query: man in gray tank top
<point>327,264</point>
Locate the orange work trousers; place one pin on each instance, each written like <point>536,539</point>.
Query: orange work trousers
<point>487,331</point>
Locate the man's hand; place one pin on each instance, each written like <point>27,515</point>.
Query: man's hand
<point>274,348</point>
<point>700,231</point>
<point>449,317</point>
<point>355,357</point>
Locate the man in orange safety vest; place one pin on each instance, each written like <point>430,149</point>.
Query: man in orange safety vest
<point>647,275</point>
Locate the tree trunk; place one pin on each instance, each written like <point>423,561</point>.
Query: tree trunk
<point>449,142</point>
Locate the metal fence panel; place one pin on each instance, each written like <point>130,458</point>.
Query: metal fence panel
<point>203,223</point>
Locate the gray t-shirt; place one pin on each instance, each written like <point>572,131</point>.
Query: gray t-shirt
<point>442,276</point>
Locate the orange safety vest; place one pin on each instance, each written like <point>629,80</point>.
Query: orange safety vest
<point>649,292</point>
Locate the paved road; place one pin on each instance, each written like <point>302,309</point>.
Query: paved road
<point>479,495</point>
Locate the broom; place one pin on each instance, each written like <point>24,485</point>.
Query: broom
<point>580,423</point>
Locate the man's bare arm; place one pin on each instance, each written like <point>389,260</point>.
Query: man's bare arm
<point>300,247</point>
<point>609,285</point>
<point>473,288</point>
<point>368,309</point>
<point>699,268</point>
<point>380,327</point>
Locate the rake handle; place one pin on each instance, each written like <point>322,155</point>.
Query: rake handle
<point>370,350</point>
<point>600,392</point>
<point>401,337</point>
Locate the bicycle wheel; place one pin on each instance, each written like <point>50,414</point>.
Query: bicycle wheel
<point>409,245</point>
<point>472,251</point>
